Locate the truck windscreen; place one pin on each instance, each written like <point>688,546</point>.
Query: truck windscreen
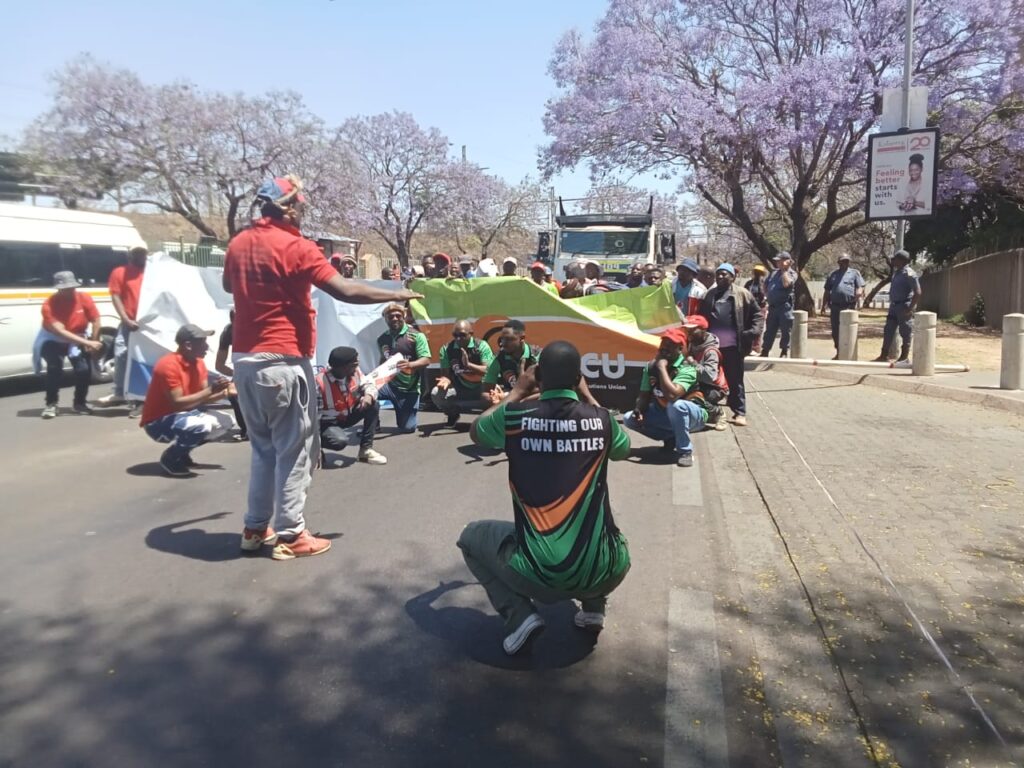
<point>598,243</point>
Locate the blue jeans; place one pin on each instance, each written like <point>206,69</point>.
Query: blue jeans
<point>406,405</point>
<point>120,359</point>
<point>186,430</point>
<point>677,421</point>
<point>779,318</point>
<point>894,321</point>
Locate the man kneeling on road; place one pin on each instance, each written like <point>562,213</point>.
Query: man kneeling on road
<point>171,413</point>
<point>564,543</point>
<point>346,400</point>
<point>464,362</point>
<point>670,405</point>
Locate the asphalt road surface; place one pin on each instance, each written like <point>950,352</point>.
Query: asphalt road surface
<point>754,629</point>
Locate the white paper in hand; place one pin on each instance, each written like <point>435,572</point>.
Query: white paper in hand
<point>384,372</point>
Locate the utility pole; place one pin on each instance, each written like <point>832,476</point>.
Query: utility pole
<point>908,69</point>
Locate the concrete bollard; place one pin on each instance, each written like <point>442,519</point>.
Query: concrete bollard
<point>849,326</point>
<point>923,352</point>
<point>798,338</point>
<point>1011,368</point>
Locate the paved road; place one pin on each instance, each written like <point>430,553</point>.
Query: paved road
<point>753,630</point>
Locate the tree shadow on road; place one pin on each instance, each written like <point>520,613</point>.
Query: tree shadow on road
<point>314,679</point>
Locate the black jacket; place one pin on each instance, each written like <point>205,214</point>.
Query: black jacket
<point>749,320</point>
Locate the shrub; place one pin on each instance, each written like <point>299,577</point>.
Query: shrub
<point>975,314</point>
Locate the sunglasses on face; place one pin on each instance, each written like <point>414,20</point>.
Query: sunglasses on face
<point>459,335</point>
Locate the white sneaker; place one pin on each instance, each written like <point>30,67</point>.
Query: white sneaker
<point>370,456</point>
<point>528,631</point>
<point>108,400</point>
<point>589,620</point>
<point>49,412</point>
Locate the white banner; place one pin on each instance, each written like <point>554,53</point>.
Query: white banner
<point>174,294</point>
<point>902,178</point>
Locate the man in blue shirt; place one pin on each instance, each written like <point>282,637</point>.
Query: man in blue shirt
<point>779,287</point>
<point>843,290</point>
<point>904,295</point>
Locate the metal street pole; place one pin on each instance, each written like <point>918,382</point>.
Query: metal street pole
<point>908,69</point>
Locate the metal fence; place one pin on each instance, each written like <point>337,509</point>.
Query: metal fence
<point>999,278</point>
<point>195,255</point>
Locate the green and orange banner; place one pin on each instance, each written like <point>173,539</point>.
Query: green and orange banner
<point>611,331</point>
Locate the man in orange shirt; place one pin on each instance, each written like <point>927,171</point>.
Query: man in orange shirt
<point>125,284</point>
<point>171,413</point>
<point>270,269</point>
<point>66,316</point>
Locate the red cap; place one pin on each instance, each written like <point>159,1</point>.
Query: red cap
<point>677,334</point>
<point>538,265</point>
<point>696,321</point>
<point>442,257</point>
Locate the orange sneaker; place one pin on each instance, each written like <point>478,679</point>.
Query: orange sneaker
<point>303,545</point>
<point>253,539</point>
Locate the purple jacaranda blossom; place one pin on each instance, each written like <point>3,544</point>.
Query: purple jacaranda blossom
<point>762,111</point>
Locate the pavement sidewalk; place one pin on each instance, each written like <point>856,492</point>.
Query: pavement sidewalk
<point>976,387</point>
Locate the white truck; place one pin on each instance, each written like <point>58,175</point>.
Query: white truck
<point>616,241</point>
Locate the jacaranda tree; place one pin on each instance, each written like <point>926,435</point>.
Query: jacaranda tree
<point>763,109</point>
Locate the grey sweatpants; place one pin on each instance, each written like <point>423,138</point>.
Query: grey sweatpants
<point>279,406</point>
<point>487,546</point>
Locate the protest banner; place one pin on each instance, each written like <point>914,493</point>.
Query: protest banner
<point>902,176</point>
<point>174,294</point>
<point>613,348</point>
<point>609,330</point>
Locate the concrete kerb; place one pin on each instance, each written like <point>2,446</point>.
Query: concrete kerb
<point>900,382</point>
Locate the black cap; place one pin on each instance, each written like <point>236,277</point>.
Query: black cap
<point>341,356</point>
<point>190,332</point>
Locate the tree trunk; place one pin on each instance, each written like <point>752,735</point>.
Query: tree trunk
<point>881,284</point>
<point>232,216</point>
<point>802,298</point>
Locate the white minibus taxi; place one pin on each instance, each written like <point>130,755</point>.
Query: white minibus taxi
<point>35,242</point>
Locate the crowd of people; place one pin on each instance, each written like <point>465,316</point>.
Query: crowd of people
<point>534,404</point>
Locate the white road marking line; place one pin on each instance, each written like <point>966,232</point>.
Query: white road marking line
<point>694,703</point>
<point>686,486</point>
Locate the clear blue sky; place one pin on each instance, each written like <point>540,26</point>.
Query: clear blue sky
<point>475,70</point>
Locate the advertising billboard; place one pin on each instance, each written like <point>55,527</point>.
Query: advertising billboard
<point>902,175</point>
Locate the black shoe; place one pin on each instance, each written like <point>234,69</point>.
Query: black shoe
<point>764,353</point>
<point>668,445</point>
<point>82,408</point>
<point>174,468</point>
<point>685,460</point>
<point>453,419</point>
<point>784,353</point>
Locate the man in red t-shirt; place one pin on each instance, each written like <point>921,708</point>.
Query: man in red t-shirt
<point>125,284</point>
<point>270,268</point>
<point>66,316</point>
<point>181,384</point>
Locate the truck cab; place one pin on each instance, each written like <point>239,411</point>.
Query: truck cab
<point>615,241</point>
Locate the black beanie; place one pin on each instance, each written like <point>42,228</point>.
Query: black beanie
<point>341,356</point>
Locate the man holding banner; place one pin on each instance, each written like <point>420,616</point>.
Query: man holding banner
<point>270,268</point>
